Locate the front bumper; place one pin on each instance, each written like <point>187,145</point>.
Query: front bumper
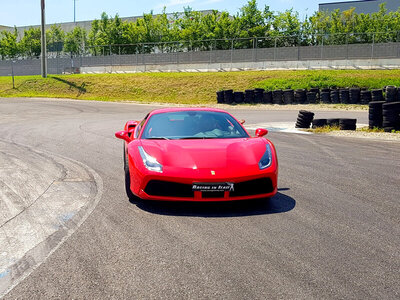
<point>263,185</point>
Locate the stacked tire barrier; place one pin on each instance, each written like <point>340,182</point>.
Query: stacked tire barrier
<point>375,114</point>
<point>347,124</point>
<point>319,123</point>
<point>391,94</point>
<point>304,119</point>
<point>391,116</point>
<point>313,95</point>
<point>332,122</point>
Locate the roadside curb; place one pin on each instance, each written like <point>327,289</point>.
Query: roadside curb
<point>62,224</point>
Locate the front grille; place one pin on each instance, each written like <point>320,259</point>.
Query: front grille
<point>169,189</point>
<point>252,187</point>
<point>212,194</point>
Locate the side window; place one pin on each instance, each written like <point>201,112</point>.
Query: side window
<point>140,126</point>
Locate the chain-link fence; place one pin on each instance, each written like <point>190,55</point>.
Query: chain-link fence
<point>292,48</point>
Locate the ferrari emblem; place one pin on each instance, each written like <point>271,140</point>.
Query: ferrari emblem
<point>212,172</point>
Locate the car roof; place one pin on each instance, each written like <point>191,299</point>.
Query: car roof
<point>178,109</point>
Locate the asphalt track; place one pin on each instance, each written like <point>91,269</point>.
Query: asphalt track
<point>331,232</point>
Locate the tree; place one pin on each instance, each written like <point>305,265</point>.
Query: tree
<point>9,47</point>
<point>75,41</point>
<point>31,42</point>
<point>55,38</point>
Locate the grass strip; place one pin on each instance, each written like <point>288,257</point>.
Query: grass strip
<point>186,88</point>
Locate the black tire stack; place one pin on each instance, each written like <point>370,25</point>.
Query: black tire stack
<point>335,96</point>
<point>311,97</point>
<point>347,124</point>
<point>277,97</point>
<point>238,97</point>
<point>332,122</point>
<point>304,119</point>
<point>317,93</point>
<point>267,97</point>
<point>288,96</point>
<point>249,96</point>
<point>228,96</point>
<point>375,114</point>
<point>258,95</point>
<point>344,96</point>
<point>300,96</point>
<point>354,95</point>
<point>391,94</point>
<point>391,116</point>
<point>365,97</point>
<point>319,123</point>
<point>325,96</point>
<point>220,97</point>
<point>377,95</point>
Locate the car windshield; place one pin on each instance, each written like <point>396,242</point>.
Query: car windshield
<point>193,125</point>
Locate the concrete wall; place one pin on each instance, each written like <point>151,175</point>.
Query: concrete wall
<point>366,6</point>
<point>241,66</point>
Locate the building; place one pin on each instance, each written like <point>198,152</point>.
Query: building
<point>363,6</point>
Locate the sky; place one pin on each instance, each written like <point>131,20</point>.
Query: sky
<point>27,12</point>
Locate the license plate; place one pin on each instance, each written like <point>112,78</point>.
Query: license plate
<point>213,187</point>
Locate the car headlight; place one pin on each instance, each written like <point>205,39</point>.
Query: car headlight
<point>266,159</point>
<point>149,161</point>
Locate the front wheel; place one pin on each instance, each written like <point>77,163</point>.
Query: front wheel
<point>129,193</point>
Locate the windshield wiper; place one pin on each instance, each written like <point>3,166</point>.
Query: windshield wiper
<point>157,138</point>
<point>198,138</point>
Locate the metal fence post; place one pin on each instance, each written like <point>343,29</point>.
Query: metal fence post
<point>177,54</point>
<point>347,46</point>
<point>231,52</point>
<point>275,48</point>
<point>372,45</point>
<point>322,46</point>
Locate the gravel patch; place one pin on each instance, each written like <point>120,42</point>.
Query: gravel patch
<point>366,135</point>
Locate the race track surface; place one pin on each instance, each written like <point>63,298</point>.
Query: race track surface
<point>331,232</point>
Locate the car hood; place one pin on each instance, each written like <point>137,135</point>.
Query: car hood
<point>230,155</point>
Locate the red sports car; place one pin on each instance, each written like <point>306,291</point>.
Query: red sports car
<point>197,154</point>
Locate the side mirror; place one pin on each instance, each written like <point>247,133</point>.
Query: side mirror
<point>131,125</point>
<point>260,132</point>
<point>123,135</point>
<point>242,121</point>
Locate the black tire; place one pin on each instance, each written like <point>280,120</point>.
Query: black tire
<point>303,126</point>
<point>277,97</point>
<point>377,95</point>
<point>267,97</point>
<point>300,96</point>
<point>319,123</point>
<point>128,191</point>
<point>335,96</point>
<point>344,96</point>
<point>354,95</point>
<point>220,97</point>
<point>304,119</point>
<point>228,95</point>
<point>249,96</point>
<point>333,122</point>
<point>238,97</point>
<point>288,96</point>
<point>325,97</point>
<point>347,124</point>
<point>365,97</point>
<point>306,113</point>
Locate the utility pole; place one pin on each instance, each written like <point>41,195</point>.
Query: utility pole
<point>44,52</point>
